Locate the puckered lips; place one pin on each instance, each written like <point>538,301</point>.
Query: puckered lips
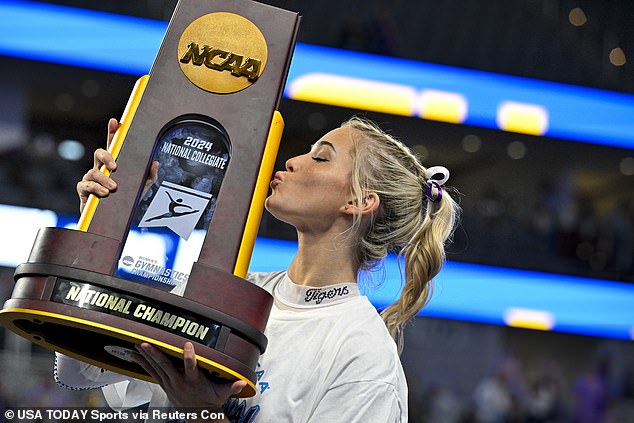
<point>277,178</point>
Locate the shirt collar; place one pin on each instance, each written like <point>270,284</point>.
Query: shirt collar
<point>299,296</point>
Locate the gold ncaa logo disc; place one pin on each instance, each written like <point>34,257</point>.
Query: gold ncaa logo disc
<point>222,52</point>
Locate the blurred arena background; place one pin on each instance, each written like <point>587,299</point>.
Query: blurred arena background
<point>546,183</point>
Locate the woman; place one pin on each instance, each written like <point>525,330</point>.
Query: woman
<point>355,196</point>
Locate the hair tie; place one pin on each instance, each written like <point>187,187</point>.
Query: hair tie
<point>435,176</point>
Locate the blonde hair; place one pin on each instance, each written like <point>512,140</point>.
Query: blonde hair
<point>406,221</point>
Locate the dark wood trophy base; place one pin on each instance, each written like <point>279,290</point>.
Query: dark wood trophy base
<point>225,321</point>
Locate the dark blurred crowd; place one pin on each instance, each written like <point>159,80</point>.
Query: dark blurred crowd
<point>570,234</point>
<point>507,396</point>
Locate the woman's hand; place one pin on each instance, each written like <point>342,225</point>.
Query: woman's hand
<point>189,388</point>
<point>95,182</point>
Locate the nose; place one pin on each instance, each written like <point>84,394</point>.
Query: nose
<point>290,164</point>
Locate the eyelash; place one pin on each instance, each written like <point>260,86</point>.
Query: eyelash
<point>319,159</point>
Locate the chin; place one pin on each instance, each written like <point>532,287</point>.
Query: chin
<point>271,205</point>
<point>266,204</point>
<point>270,201</point>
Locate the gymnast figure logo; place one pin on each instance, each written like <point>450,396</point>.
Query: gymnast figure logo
<point>177,208</point>
<point>173,212</point>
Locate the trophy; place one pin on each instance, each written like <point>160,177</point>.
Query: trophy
<point>162,260</point>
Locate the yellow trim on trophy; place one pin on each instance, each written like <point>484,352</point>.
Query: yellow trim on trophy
<point>259,195</point>
<point>105,329</point>
<point>115,146</point>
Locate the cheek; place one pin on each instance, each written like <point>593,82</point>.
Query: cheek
<point>326,188</point>
<point>338,186</point>
<point>318,185</point>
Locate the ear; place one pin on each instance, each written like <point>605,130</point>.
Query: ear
<point>370,204</point>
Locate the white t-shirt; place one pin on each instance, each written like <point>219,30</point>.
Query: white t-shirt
<point>329,358</point>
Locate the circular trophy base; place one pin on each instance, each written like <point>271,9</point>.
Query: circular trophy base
<point>65,300</point>
<point>107,346</point>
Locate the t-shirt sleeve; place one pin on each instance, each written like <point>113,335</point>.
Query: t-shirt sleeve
<point>366,401</point>
<point>74,374</point>
<point>120,391</point>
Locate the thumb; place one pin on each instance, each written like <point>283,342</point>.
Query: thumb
<point>225,390</point>
<point>237,387</point>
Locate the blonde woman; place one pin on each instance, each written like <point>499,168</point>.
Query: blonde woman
<point>357,195</point>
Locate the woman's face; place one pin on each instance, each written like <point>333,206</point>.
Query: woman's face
<point>313,191</point>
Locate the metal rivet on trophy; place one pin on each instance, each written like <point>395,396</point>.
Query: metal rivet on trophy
<point>162,259</point>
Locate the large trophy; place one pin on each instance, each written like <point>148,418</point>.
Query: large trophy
<point>162,260</point>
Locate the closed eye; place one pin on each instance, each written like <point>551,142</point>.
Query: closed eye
<point>319,159</point>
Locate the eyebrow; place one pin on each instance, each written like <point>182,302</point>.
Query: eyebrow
<point>323,143</point>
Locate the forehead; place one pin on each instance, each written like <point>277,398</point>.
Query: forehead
<point>340,138</point>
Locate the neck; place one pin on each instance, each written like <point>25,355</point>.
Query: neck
<point>323,259</point>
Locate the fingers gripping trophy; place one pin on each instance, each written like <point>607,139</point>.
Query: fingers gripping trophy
<point>162,261</point>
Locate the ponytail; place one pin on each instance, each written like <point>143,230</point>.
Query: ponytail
<point>424,257</point>
<point>415,217</point>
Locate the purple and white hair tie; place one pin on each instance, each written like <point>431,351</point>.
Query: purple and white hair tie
<point>435,176</point>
